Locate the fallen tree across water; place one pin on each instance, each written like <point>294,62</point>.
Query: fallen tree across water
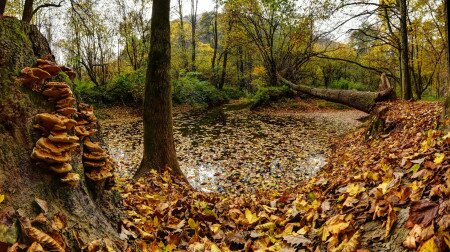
<point>361,100</point>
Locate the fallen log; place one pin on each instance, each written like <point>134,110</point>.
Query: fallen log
<point>361,100</point>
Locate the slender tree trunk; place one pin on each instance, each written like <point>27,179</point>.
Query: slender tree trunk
<point>182,35</point>
<point>224,69</point>
<point>2,6</point>
<point>447,33</point>
<point>194,28</point>
<point>159,146</point>
<point>216,38</point>
<point>27,11</point>
<point>406,79</point>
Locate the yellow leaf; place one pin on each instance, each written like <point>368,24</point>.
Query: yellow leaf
<point>350,245</point>
<point>2,198</point>
<point>214,248</point>
<point>192,224</point>
<point>354,189</point>
<point>429,246</point>
<point>251,217</point>
<point>334,226</point>
<point>439,158</point>
<point>215,228</point>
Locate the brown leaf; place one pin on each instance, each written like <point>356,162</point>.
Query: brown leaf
<point>423,212</point>
<point>43,205</point>
<point>298,240</point>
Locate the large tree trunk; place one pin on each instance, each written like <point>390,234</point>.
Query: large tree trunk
<point>360,100</point>
<point>406,78</point>
<point>2,6</point>
<point>159,146</point>
<point>27,11</point>
<point>89,215</point>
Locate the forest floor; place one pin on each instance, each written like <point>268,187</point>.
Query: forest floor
<point>233,150</point>
<point>384,191</point>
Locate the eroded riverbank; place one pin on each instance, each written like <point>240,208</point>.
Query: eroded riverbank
<point>232,149</point>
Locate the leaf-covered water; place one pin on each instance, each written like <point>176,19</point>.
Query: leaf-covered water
<point>232,149</point>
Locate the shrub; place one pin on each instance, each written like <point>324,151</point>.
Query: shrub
<point>265,95</point>
<point>127,88</point>
<point>189,89</point>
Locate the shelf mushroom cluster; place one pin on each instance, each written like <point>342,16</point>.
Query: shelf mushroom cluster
<point>98,166</point>
<point>63,129</point>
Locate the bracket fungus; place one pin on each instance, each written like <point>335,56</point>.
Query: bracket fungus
<point>62,137</point>
<point>69,72</point>
<point>49,157</point>
<point>51,122</point>
<point>61,168</point>
<point>33,78</point>
<point>81,131</point>
<point>48,66</point>
<point>71,179</point>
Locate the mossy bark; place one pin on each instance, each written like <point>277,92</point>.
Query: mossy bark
<point>21,180</point>
<point>361,100</point>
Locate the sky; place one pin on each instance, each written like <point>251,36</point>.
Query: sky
<point>203,6</point>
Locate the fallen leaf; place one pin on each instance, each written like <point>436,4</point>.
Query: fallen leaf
<point>423,212</point>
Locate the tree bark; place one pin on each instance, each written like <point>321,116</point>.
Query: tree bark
<point>2,6</point>
<point>406,78</point>
<point>361,100</point>
<point>159,146</point>
<point>27,11</point>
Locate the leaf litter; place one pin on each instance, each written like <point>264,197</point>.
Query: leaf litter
<point>368,180</point>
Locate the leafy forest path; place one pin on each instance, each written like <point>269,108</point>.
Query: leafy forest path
<point>231,149</point>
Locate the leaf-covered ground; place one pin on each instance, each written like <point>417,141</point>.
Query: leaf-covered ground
<point>384,192</point>
<point>234,150</point>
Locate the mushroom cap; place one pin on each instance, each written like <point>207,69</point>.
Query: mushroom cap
<point>92,164</point>
<point>66,102</point>
<point>69,72</point>
<point>41,74</point>
<point>48,157</point>
<point>58,92</point>
<point>27,77</point>
<point>61,168</point>
<point>49,146</point>
<point>52,122</point>
<point>99,174</point>
<point>40,62</point>
<point>71,179</point>
<point>50,68</point>
<point>81,131</point>
<point>69,111</point>
<point>91,146</point>
<point>95,156</point>
<point>62,137</point>
<point>55,84</point>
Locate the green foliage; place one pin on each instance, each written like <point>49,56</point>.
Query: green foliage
<point>126,89</point>
<point>189,89</point>
<point>348,84</point>
<point>233,93</point>
<point>266,95</point>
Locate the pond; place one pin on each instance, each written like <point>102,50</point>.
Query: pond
<point>231,149</point>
